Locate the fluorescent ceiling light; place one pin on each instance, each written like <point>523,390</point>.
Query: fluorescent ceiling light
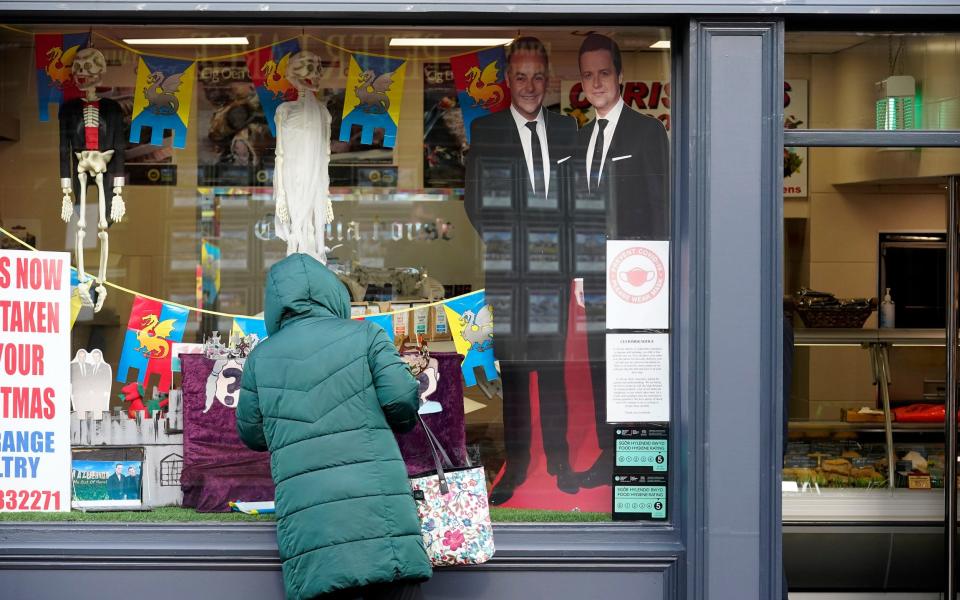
<point>198,41</point>
<point>661,45</point>
<point>450,42</point>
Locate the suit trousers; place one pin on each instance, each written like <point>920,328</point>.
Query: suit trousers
<point>517,425</point>
<point>596,344</point>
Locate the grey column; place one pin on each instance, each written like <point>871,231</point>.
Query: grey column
<point>736,214</point>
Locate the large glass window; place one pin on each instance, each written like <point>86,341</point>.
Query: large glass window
<point>454,171</point>
<point>865,277</point>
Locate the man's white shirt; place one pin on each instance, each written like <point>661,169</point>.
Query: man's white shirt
<point>526,140</point>
<point>612,117</point>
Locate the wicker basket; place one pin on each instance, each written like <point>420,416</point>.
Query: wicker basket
<point>835,316</point>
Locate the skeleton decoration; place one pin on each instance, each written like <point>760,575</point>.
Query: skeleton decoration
<point>301,181</point>
<point>90,378</point>
<point>91,153</point>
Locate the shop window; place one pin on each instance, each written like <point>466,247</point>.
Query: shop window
<point>541,289</point>
<point>884,81</point>
<point>866,379</point>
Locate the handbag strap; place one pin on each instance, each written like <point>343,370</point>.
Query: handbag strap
<point>436,450</point>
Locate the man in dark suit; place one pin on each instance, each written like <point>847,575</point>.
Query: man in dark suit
<point>115,483</point>
<point>131,484</point>
<point>622,164</point>
<point>516,185</point>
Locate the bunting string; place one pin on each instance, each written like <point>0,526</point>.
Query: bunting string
<point>419,306</point>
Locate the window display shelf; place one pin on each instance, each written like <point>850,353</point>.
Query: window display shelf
<point>859,337</point>
<point>864,427</point>
<point>870,505</point>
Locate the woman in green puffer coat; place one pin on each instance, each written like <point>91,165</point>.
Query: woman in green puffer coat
<point>322,394</point>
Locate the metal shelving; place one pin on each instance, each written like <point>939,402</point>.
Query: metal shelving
<point>877,342</point>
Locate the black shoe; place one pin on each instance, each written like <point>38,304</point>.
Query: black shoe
<point>599,474</point>
<point>594,478</point>
<point>504,489</point>
<point>568,482</point>
<point>501,493</point>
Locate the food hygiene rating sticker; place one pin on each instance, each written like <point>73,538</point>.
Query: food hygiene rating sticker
<point>639,497</point>
<point>642,449</point>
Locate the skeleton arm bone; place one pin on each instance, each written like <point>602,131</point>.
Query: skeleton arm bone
<point>117,207</point>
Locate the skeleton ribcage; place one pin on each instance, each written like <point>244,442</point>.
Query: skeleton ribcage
<point>91,116</point>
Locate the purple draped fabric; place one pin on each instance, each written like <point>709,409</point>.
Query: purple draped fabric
<point>217,467</point>
<point>448,425</point>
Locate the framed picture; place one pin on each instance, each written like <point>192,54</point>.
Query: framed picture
<point>595,305</point>
<point>544,310</point>
<point>497,184</point>
<point>500,251</point>
<point>503,313</point>
<point>589,250</point>
<point>585,199</point>
<point>539,201</point>
<point>543,251</point>
<point>107,478</point>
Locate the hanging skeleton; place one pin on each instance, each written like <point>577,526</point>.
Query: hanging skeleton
<point>301,180</point>
<point>91,153</point>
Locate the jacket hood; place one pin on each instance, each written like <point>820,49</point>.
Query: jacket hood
<point>301,286</point>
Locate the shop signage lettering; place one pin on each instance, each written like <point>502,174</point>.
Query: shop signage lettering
<point>396,231</point>
<point>649,97</point>
<point>34,381</point>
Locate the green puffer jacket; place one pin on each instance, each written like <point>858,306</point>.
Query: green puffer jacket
<point>322,394</point>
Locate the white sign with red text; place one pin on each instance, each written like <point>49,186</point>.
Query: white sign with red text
<point>638,284</point>
<point>34,381</point>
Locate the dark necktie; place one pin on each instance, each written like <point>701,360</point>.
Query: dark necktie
<point>539,186</point>
<point>597,155</point>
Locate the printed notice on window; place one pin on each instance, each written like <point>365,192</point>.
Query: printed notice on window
<point>35,314</point>
<point>638,291</point>
<point>638,377</point>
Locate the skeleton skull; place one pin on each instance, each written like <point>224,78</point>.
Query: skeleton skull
<point>304,71</point>
<point>88,68</point>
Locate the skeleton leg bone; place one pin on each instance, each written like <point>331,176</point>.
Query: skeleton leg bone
<point>104,246</point>
<point>83,287</point>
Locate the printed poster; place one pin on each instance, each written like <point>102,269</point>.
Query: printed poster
<point>638,377</point>
<point>794,158</point>
<point>638,284</point>
<point>35,371</point>
<point>444,135</point>
<point>235,146</point>
<point>107,483</point>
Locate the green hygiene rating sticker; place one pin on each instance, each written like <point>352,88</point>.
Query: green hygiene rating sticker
<point>640,501</point>
<point>651,454</point>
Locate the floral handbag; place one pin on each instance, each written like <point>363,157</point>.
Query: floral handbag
<point>453,510</point>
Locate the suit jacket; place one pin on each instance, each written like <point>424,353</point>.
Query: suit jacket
<point>131,487</point>
<point>635,181</point>
<point>72,138</point>
<point>525,270</point>
<point>115,487</point>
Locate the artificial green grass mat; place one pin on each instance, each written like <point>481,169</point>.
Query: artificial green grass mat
<point>167,514</point>
<point>175,514</point>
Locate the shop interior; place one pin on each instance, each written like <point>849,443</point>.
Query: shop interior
<point>865,436</point>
